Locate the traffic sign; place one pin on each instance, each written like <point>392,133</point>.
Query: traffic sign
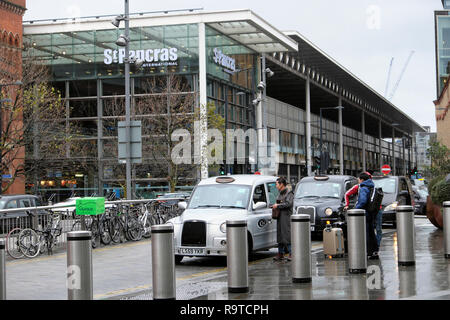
<point>386,169</point>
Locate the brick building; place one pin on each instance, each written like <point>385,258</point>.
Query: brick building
<point>442,115</point>
<point>11,13</point>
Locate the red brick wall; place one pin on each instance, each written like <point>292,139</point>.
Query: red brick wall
<point>11,13</point>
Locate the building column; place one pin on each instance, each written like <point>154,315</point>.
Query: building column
<point>203,100</point>
<point>308,128</point>
<point>341,140</point>
<point>380,145</point>
<point>404,155</point>
<point>363,131</point>
<point>100,171</point>
<point>394,166</point>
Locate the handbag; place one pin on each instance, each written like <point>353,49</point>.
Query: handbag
<point>275,213</point>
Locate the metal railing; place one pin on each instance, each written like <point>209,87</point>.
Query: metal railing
<point>68,218</point>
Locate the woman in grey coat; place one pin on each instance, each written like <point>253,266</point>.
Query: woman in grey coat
<point>285,203</point>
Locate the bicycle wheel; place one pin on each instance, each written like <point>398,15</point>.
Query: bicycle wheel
<point>147,228</point>
<point>76,226</point>
<point>29,243</point>
<point>12,244</point>
<point>134,230</point>
<point>95,234</point>
<point>116,230</point>
<point>105,235</point>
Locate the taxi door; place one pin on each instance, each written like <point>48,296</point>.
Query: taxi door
<point>260,219</point>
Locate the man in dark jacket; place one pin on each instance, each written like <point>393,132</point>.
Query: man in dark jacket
<point>365,187</point>
<point>285,203</point>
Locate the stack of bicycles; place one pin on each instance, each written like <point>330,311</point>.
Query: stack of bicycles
<point>30,242</point>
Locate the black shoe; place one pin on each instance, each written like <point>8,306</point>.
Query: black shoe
<point>279,257</point>
<point>374,256</point>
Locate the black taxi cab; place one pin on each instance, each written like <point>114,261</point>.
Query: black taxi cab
<point>322,197</point>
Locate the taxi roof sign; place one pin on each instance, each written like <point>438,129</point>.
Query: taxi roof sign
<point>321,178</point>
<point>225,179</point>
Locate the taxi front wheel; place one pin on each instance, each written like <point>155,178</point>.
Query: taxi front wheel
<point>178,259</point>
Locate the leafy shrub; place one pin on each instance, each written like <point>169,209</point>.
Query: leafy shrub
<point>440,192</point>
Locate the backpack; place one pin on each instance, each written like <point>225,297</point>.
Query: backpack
<point>375,199</point>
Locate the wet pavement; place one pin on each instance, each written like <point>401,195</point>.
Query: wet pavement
<point>429,279</point>
<point>123,272</point>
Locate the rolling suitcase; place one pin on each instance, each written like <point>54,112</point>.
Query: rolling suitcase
<point>333,242</point>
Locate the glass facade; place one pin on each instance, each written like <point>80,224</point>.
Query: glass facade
<point>87,68</point>
<point>443,50</point>
<point>95,55</point>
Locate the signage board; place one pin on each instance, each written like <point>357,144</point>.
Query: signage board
<point>386,169</point>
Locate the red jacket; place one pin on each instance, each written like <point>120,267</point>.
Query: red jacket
<point>351,192</point>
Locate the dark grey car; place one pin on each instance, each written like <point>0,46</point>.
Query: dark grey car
<point>397,192</point>
<point>322,198</point>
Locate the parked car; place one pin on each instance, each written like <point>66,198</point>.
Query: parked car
<point>21,218</point>
<point>420,200</point>
<point>323,199</point>
<point>19,201</point>
<point>200,230</point>
<point>397,191</point>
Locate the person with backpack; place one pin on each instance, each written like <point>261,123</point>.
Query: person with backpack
<point>366,188</point>
<point>378,222</point>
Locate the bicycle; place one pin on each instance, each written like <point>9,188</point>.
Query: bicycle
<point>123,224</point>
<point>145,222</point>
<point>13,245</point>
<point>99,226</point>
<point>32,242</point>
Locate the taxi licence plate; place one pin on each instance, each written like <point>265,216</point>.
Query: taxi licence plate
<point>191,251</point>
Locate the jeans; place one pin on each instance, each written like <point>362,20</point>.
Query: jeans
<point>372,243</point>
<point>284,248</point>
<point>378,225</point>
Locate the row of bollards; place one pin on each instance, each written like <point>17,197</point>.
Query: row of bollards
<point>79,253</point>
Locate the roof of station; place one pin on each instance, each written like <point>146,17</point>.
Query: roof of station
<point>248,28</point>
<point>243,26</point>
<point>317,60</point>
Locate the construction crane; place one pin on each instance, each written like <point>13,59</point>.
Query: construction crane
<point>401,76</point>
<point>388,78</point>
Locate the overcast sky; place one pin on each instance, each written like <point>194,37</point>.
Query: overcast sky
<point>362,35</point>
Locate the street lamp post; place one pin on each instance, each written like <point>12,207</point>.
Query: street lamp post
<point>321,135</point>
<point>7,100</point>
<point>124,41</point>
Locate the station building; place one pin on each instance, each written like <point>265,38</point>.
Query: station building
<point>221,57</point>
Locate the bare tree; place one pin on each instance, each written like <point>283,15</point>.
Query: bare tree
<point>166,104</point>
<point>34,131</point>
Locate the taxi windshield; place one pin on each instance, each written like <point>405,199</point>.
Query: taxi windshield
<point>227,196</point>
<point>389,185</point>
<point>323,189</point>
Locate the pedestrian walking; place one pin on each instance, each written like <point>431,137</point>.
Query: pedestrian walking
<point>365,186</point>
<point>285,203</point>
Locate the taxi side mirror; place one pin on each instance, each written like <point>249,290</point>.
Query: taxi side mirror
<point>182,205</point>
<point>259,205</point>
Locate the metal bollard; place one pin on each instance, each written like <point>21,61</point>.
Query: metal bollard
<point>301,248</point>
<point>2,270</point>
<point>357,251</point>
<point>79,265</point>
<point>406,241</point>
<point>163,263</point>
<point>447,229</point>
<point>237,256</point>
